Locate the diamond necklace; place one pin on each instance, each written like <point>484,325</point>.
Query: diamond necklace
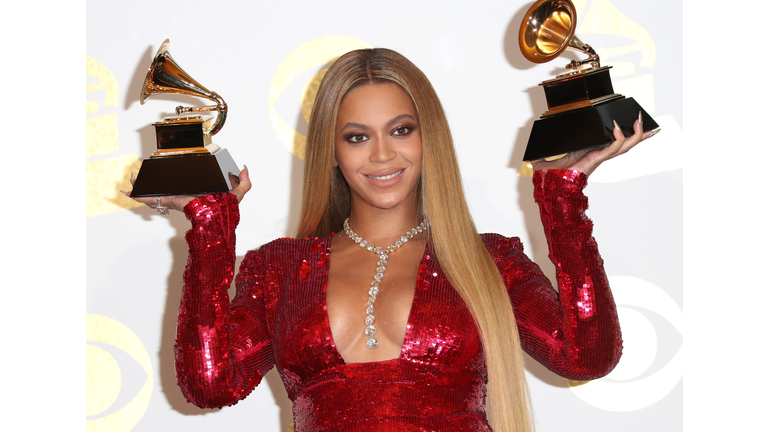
<point>381,266</point>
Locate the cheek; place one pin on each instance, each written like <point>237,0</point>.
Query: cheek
<point>340,157</point>
<point>415,154</point>
<point>347,162</point>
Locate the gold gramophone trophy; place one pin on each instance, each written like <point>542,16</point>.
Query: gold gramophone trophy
<point>186,161</point>
<point>581,104</point>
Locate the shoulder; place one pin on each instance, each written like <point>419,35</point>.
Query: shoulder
<point>502,248</point>
<point>497,243</point>
<point>515,267</point>
<point>292,248</point>
<point>283,256</point>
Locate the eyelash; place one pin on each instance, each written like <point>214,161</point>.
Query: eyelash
<point>408,130</point>
<point>358,138</point>
<point>351,138</point>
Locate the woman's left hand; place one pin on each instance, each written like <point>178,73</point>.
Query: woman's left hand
<point>586,161</point>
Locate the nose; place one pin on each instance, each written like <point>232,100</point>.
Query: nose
<point>382,151</point>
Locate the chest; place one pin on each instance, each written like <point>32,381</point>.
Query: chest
<point>438,329</point>
<point>348,297</point>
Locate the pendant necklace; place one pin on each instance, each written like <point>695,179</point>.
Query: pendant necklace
<point>381,266</point>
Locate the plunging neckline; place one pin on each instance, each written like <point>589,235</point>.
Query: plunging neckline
<point>408,323</point>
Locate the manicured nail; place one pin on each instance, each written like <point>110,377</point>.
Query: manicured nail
<point>133,178</point>
<point>617,125</point>
<point>654,132</point>
<point>556,157</point>
<point>125,193</point>
<point>640,117</point>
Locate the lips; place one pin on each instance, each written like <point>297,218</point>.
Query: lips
<point>385,177</point>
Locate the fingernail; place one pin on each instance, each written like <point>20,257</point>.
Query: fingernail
<point>125,193</point>
<point>640,117</point>
<point>654,132</point>
<point>556,157</point>
<point>617,125</point>
<point>133,178</point>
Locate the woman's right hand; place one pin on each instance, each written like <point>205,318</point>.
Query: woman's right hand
<point>240,186</point>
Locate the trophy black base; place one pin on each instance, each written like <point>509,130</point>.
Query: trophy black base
<point>195,174</point>
<point>584,128</point>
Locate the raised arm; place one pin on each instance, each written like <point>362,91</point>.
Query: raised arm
<point>222,349</point>
<point>574,334</point>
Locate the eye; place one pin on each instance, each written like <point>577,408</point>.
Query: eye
<point>402,130</point>
<point>356,137</point>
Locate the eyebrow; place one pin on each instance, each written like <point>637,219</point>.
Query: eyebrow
<point>366,127</point>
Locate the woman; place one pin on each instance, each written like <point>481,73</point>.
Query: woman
<point>404,335</point>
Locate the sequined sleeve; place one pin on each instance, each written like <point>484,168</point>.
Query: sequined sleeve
<point>574,333</point>
<point>222,349</point>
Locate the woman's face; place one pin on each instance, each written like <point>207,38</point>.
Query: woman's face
<point>378,145</point>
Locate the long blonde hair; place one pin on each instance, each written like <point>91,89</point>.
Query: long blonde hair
<point>458,247</point>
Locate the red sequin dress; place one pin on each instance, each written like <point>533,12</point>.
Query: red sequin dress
<point>278,318</point>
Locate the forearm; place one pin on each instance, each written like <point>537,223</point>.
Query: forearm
<point>205,368</point>
<point>589,341</point>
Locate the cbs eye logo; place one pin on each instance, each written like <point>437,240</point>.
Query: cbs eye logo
<point>302,64</point>
<point>118,376</point>
<point>650,367</point>
<point>106,171</point>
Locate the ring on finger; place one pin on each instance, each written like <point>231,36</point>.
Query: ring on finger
<point>161,209</point>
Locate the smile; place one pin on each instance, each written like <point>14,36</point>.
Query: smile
<point>386,177</point>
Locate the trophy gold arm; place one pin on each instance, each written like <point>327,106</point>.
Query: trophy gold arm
<point>549,30</point>
<point>166,76</point>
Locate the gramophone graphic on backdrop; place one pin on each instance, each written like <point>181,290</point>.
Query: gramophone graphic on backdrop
<point>581,104</point>
<point>186,161</point>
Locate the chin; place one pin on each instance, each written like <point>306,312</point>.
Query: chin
<point>388,203</point>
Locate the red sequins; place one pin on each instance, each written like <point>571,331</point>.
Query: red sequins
<point>304,269</point>
<point>279,317</point>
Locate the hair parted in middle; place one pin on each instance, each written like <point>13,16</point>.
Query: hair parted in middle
<point>458,247</point>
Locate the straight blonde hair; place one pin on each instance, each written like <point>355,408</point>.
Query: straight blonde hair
<point>458,247</point>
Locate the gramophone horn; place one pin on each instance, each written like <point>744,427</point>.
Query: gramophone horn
<point>548,30</point>
<point>166,76</point>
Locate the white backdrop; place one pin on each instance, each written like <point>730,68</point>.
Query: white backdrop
<point>260,57</point>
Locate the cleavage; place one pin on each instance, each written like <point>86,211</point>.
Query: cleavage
<point>349,278</point>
